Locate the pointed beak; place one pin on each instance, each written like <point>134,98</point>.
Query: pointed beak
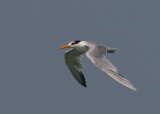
<point>66,46</point>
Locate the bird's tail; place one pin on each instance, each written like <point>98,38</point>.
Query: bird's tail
<point>112,50</point>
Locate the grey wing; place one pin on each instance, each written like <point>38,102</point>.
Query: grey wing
<point>96,55</point>
<point>73,61</point>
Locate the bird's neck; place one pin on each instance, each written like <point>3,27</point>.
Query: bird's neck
<point>82,49</point>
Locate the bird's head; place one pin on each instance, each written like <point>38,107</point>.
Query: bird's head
<point>76,43</point>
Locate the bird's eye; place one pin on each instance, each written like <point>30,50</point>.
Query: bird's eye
<point>72,43</point>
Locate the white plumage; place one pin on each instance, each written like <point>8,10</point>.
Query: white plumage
<point>96,53</point>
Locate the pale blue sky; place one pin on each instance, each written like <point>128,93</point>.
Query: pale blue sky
<point>34,78</point>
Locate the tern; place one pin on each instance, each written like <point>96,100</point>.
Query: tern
<point>96,53</point>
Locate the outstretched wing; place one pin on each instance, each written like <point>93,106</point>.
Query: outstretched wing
<point>73,61</point>
<point>96,55</point>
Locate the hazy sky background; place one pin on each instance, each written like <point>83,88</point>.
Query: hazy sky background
<point>34,78</point>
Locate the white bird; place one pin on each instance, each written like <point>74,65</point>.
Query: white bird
<point>96,53</point>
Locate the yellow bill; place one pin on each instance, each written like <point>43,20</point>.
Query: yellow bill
<point>66,46</point>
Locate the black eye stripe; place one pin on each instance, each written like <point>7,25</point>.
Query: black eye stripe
<point>77,41</point>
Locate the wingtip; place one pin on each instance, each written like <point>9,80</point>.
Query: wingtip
<point>84,85</point>
<point>122,80</point>
<point>134,89</point>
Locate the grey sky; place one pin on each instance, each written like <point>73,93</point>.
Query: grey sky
<point>34,78</point>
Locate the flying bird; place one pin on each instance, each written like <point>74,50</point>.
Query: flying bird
<point>96,53</point>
